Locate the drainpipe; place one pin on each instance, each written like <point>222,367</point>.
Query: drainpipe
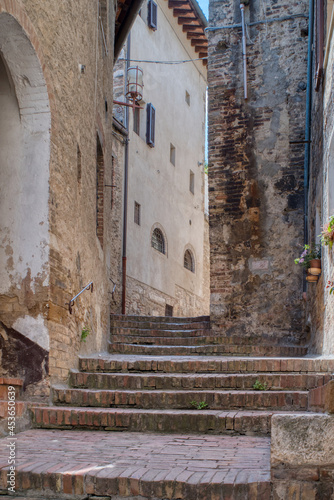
<point>126,169</point>
<point>244,53</point>
<point>308,121</point>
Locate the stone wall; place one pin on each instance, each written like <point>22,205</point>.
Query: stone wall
<point>302,464</point>
<point>256,167</point>
<point>67,55</point>
<point>320,304</point>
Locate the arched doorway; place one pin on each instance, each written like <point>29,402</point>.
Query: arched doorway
<point>25,123</point>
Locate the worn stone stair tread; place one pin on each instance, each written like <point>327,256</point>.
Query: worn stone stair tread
<point>216,399</point>
<point>191,421</point>
<point>237,381</point>
<point>208,349</point>
<point>159,319</point>
<point>112,362</point>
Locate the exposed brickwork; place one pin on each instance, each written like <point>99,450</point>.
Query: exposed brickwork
<point>79,109</point>
<point>255,174</point>
<point>163,467</point>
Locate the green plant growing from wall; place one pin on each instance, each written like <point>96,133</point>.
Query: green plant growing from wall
<point>201,405</point>
<point>258,386</point>
<point>84,333</point>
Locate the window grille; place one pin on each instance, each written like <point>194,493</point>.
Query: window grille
<point>158,241</point>
<point>137,213</point>
<point>136,121</point>
<point>189,261</point>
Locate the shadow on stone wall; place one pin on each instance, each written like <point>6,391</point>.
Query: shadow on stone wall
<point>21,357</point>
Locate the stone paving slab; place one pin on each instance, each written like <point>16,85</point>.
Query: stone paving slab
<point>127,464</point>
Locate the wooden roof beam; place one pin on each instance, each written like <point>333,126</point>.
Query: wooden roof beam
<point>192,27</point>
<point>180,12</point>
<point>199,36</point>
<point>198,41</point>
<point>183,20</point>
<point>172,4</point>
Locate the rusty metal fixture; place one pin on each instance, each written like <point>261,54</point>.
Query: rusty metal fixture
<point>71,302</point>
<point>134,84</point>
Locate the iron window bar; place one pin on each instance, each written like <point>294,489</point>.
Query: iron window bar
<point>71,302</point>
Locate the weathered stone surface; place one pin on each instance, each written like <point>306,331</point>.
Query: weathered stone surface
<point>255,172</point>
<point>302,440</point>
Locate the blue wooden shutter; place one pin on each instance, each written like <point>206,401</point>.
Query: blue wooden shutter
<point>152,20</point>
<point>150,125</point>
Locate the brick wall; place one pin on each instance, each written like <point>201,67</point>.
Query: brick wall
<point>68,41</point>
<point>255,173</point>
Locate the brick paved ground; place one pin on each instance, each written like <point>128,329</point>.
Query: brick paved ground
<point>155,466</point>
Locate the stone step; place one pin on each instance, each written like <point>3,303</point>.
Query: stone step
<point>181,340</point>
<point>251,422</point>
<point>150,325</point>
<point>173,399</point>
<point>140,333</point>
<point>158,319</point>
<point>208,350</point>
<point>151,381</point>
<point>160,333</point>
<point>106,362</point>
<point>199,337</point>
<point>81,465</point>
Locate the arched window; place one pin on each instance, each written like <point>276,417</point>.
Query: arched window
<point>158,240</point>
<point>189,262</point>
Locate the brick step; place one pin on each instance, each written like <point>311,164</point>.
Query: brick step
<point>251,423</point>
<point>155,333</point>
<point>159,319</point>
<point>151,325</point>
<point>173,399</point>
<point>113,465</point>
<point>16,410</point>
<point>208,350</point>
<point>140,333</point>
<point>151,381</point>
<point>182,338</point>
<point>202,364</point>
<point>11,385</point>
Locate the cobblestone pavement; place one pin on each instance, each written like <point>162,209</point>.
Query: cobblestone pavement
<point>92,462</point>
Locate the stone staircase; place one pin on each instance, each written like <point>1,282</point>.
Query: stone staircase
<point>157,378</point>
<point>189,336</point>
<point>172,376</point>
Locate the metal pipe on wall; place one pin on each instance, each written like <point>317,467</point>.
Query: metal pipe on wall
<point>308,121</point>
<point>125,205</point>
<point>244,53</point>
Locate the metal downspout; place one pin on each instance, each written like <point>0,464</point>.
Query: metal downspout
<point>244,53</point>
<point>126,169</point>
<point>308,121</point>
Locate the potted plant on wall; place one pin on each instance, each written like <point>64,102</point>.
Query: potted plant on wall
<point>310,261</point>
<point>327,233</point>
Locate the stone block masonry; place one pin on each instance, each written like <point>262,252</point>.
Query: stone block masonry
<point>256,168</point>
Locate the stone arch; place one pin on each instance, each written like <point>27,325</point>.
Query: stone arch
<point>24,180</point>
